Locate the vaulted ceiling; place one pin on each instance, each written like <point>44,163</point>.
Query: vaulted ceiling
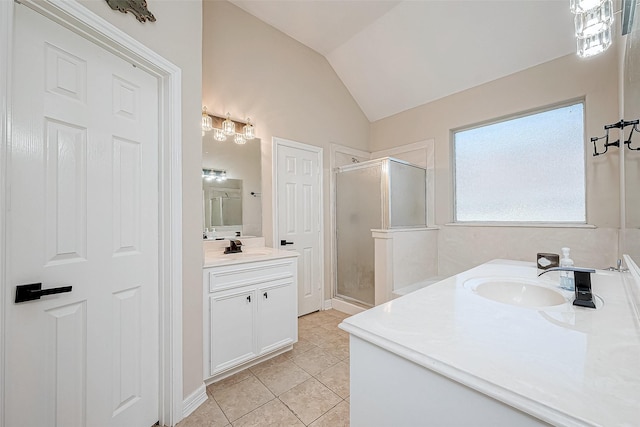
<point>395,55</point>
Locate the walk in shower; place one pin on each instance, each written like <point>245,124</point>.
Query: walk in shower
<point>383,194</point>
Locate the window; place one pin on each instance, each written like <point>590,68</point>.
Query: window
<point>524,169</point>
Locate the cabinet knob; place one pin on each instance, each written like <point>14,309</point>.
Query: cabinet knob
<point>265,295</point>
<point>248,298</point>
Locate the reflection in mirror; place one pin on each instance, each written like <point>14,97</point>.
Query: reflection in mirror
<point>222,202</point>
<point>233,204</point>
<point>631,96</point>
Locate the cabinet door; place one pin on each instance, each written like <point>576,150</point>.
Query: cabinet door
<point>277,316</point>
<point>232,329</point>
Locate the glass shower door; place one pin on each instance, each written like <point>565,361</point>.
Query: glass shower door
<point>358,210</point>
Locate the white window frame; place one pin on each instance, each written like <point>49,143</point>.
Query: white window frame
<point>550,224</point>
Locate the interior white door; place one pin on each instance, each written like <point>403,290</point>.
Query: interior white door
<point>299,206</point>
<point>83,213</point>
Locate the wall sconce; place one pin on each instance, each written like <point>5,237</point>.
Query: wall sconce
<point>226,127</point>
<point>211,174</point>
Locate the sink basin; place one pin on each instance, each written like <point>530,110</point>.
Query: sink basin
<point>516,291</point>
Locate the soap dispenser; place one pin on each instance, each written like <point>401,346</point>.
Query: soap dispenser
<point>566,277</point>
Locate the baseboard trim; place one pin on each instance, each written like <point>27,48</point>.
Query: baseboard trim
<point>346,307</point>
<point>327,305</point>
<point>194,400</point>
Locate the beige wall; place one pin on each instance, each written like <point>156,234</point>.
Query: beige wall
<point>289,91</point>
<point>554,82</point>
<point>177,36</point>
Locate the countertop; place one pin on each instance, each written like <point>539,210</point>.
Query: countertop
<point>566,365</point>
<point>252,250</point>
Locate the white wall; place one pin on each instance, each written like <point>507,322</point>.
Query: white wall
<point>566,78</point>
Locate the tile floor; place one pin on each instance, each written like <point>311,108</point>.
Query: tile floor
<point>307,386</point>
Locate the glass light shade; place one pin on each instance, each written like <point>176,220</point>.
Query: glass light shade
<point>249,130</point>
<point>219,135</point>
<point>207,122</point>
<point>581,6</point>
<point>239,139</point>
<point>228,126</point>
<point>595,44</point>
<point>594,21</point>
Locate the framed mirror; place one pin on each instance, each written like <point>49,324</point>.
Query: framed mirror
<point>631,100</point>
<point>231,187</point>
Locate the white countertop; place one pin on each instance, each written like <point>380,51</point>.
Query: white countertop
<point>567,365</point>
<point>248,254</point>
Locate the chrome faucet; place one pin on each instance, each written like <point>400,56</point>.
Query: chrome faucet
<point>618,267</point>
<point>582,278</point>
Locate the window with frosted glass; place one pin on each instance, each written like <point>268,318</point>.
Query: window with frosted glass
<point>525,169</point>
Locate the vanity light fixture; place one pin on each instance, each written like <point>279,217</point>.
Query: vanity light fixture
<point>580,6</point>
<point>219,135</point>
<point>214,174</point>
<point>227,128</point>
<point>248,130</point>
<point>207,122</point>
<point>592,21</point>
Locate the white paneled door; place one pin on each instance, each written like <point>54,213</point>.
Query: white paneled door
<point>299,210</point>
<point>83,212</point>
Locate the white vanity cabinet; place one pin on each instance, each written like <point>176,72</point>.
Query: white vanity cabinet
<point>250,311</point>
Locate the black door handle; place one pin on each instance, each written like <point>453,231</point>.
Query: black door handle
<point>34,291</point>
<point>285,243</point>
<point>249,298</point>
<point>265,295</point>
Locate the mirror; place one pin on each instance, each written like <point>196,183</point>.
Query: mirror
<point>222,202</point>
<point>233,204</point>
<point>631,98</point>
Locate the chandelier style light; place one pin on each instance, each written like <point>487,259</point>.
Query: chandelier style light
<point>207,122</point>
<point>248,130</point>
<point>227,128</point>
<point>593,20</point>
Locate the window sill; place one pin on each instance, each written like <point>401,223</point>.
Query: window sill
<point>521,224</point>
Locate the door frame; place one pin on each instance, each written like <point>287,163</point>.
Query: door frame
<point>90,26</point>
<point>277,142</point>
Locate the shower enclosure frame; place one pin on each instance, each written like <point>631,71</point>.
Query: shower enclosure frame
<point>385,206</point>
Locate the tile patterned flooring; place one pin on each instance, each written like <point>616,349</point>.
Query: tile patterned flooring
<point>307,386</point>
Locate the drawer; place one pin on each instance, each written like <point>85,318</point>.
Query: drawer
<point>247,274</point>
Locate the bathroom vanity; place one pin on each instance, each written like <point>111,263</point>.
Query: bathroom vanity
<point>499,346</point>
<point>250,306</point>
